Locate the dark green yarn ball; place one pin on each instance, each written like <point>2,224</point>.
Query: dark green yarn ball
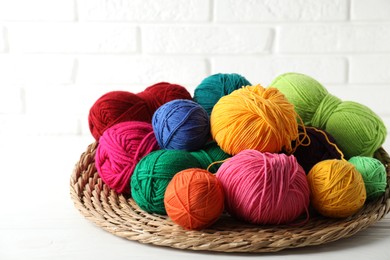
<point>210,153</point>
<point>153,174</point>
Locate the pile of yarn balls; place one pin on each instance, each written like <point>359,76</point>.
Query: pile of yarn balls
<point>263,155</point>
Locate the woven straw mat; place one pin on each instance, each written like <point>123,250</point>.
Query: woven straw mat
<point>122,217</point>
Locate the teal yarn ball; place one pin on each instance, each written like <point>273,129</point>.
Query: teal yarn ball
<point>212,88</point>
<point>358,131</point>
<point>373,173</point>
<point>152,175</point>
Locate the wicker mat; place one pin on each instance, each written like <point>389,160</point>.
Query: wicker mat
<point>122,217</point>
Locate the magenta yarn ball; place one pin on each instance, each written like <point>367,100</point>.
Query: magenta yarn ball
<point>119,150</point>
<point>264,188</point>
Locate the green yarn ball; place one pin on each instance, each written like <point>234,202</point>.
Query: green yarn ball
<point>358,131</point>
<point>304,92</point>
<point>153,174</point>
<point>374,175</point>
<point>210,153</point>
<point>212,88</point>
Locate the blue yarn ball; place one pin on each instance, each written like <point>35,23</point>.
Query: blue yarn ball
<point>181,124</point>
<point>212,88</point>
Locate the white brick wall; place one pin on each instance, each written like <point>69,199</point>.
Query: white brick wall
<point>58,56</point>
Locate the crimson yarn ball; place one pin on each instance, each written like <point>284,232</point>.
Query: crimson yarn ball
<point>161,93</point>
<point>120,148</point>
<point>115,107</point>
<point>120,106</point>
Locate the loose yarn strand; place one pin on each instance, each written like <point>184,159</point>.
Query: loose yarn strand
<point>214,163</point>
<point>329,142</point>
<point>304,134</point>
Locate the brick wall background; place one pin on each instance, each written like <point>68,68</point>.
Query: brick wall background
<point>58,56</point>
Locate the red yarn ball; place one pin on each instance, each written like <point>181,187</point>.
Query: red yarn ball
<point>120,106</point>
<point>115,107</point>
<point>120,148</point>
<point>161,93</point>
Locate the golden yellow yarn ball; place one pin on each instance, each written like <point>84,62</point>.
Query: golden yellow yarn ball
<point>254,117</point>
<point>337,188</point>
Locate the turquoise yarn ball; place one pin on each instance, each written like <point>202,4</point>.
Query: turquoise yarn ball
<point>212,88</point>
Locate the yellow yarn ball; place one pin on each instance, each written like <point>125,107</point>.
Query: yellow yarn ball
<point>254,117</point>
<point>337,188</point>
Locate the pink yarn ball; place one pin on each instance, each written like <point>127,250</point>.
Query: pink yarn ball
<point>120,148</point>
<point>264,188</point>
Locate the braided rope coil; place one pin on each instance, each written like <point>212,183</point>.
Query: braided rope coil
<point>122,217</point>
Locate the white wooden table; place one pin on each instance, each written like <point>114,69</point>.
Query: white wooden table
<point>38,219</point>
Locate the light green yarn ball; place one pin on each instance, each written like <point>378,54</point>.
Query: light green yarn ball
<point>358,131</point>
<point>304,92</point>
<point>373,173</point>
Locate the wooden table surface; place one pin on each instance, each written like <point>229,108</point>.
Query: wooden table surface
<point>38,219</point>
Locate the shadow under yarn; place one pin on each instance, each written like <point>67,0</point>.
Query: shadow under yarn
<point>316,146</point>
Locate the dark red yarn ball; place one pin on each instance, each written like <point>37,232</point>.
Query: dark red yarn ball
<point>163,92</point>
<point>318,150</point>
<point>115,107</point>
<point>120,106</point>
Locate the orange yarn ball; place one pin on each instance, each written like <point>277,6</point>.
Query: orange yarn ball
<point>194,199</point>
<point>337,188</point>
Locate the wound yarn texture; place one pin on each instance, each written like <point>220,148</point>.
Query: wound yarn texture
<point>120,148</point>
<point>264,188</point>
<point>357,130</point>
<point>210,154</point>
<point>181,124</point>
<point>256,118</point>
<point>337,188</point>
<point>154,172</point>
<point>194,199</point>
<point>118,106</point>
<point>212,88</point>
<point>373,173</point>
<point>318,145</point>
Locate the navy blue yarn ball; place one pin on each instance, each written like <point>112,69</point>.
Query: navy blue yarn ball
<point>181,124</point>
<point>212,88</point>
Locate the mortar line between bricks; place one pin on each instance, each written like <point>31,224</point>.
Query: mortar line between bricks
<point>349,10</point>
<point>205,55</point>
<point>215,22</point>
<point>348,71</point>
<point>200,23</point>
<point>76,10</point>
<point>212,11</point>
<point>6,40</point>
